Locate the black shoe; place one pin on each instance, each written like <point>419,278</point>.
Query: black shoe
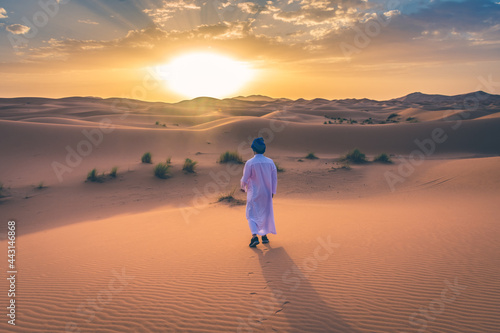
<point>254,241</point>
<point>265,240</point>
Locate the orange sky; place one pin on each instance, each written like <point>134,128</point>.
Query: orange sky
<point>304,48</point>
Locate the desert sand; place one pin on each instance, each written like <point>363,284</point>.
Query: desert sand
<point>410,246</point>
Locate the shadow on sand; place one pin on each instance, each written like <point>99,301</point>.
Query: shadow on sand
<point>293,296</point>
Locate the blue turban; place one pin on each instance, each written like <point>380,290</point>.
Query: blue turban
<point>259,146</point>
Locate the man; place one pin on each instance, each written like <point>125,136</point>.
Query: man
<point>260,180</point>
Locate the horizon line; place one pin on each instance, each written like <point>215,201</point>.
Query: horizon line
<point>252,95</point>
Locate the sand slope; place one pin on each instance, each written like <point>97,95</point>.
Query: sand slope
<point>386,262</point>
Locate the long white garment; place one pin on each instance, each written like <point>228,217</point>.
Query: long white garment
<point>260,181</point>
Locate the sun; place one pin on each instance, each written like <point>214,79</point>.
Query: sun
<point>206,74</point>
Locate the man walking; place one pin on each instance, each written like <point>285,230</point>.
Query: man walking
<point>260,181</point>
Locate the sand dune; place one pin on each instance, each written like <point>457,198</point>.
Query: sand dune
<point>387,265</point>
<point>354,252</point>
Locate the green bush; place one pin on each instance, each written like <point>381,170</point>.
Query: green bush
<point>113,172</point>
<point>311,156</point>
<point>278,168</point>
<point>40,186</point>
<point>189,165</point>
<point>355,156</point>
<point>382,158</point>
<point>230,157</point>
<point>162,170</point>
<point>147,158</point>
<point>94,176</point>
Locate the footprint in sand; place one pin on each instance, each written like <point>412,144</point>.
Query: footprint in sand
<point>282,307</point>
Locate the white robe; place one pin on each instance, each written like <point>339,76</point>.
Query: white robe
<point>260,181</point>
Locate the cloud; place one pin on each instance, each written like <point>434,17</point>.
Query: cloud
<point>302,31</point>
<point>469,15</point>
<point>87,21</point>
<point>18,29</point>
<point>150,46</point>
<point>319,12</point>
<point>442,32</point>
<point>253,8</point>
<point>250,7</point>
<point>307,16</point>
<point>169,9</point>
<point>3,13</point>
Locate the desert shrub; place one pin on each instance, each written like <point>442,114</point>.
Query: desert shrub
<point>311,156</point>
<point>355,156</point>
<point>229,198</point>
<point>161,170</point>
<point>94,176</point>
<point>278,168</point>
<point>392,116</point>
<point>345,166</point>
<point>412,120</point>
<point>147,158</point>
<point>383,158</point>
<point>113,172</point>
<point>189,165</point>
<point>40,185</point>
<point>230,157</point>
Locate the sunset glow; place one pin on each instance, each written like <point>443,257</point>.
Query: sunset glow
<point>294,49</point>
<point>205,74</point>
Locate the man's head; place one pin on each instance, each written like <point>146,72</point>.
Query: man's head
<point>258,146</point>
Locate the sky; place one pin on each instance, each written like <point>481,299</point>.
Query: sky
<point>296,48</point>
